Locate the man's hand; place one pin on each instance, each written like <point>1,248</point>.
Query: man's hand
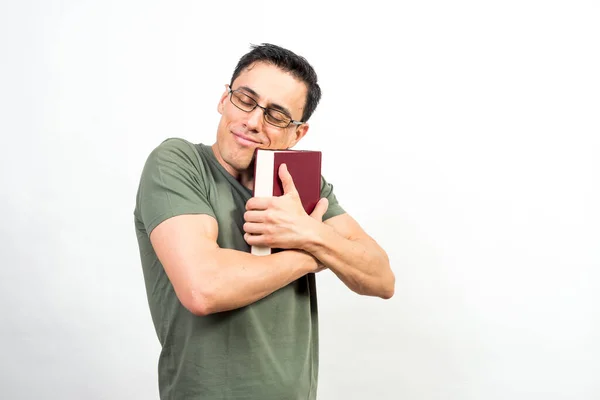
<point>281,222</point>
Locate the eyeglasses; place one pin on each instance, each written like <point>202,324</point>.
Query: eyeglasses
<point>274,117</point>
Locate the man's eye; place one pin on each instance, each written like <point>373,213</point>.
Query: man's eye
<point>277,116</point>
<point>245,100</point>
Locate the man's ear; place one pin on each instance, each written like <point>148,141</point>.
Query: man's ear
<point>223,99</point>
<point>299,133</point>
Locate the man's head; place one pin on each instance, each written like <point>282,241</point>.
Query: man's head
<point>272,94</point>
<point>289,62</point>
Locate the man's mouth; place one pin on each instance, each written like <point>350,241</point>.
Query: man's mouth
<point>245,140</point>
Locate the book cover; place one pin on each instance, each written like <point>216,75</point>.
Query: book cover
<point>305,168</point>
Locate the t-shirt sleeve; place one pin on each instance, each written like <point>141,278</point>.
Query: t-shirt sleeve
<point>172,183</point>
<point>334,208</point>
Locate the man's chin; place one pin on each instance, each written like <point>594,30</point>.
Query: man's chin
<point>242,163</point>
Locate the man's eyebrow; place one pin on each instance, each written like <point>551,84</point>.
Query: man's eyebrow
<point>247,89</point>
<point>272,105</point>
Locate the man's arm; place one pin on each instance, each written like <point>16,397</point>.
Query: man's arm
<point>342,246</point>
<point>208,279</point>
<point>339,243</point>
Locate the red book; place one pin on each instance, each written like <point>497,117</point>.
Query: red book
<point>305,168</point>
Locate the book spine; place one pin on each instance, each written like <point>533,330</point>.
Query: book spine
<point>263,186</point>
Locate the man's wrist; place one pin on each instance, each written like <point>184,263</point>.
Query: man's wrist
<point>302,262</point>
<point>316,237</point>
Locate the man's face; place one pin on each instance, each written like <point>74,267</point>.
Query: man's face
<point>240,132</point>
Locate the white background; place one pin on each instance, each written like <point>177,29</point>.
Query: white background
<point>463,136</point>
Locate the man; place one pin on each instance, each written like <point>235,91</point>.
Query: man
<point>233,325</point>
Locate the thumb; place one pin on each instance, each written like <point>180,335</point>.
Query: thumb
<point>286,180</point>
<point>320,209</point>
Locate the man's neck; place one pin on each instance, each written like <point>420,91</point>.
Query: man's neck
<point>245,177</point>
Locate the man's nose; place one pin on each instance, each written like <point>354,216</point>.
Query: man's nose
<point>255,119</point>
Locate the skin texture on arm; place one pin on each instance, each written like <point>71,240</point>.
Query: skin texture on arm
<point>208,279</point>
<point>339,243</point>
<point>342,245</point>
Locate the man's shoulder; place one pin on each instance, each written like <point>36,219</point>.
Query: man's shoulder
<point>175,144</point>
<point>179,150</point>
<point>176,170</point>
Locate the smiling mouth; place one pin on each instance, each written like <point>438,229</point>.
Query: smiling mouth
<point>244,139</point>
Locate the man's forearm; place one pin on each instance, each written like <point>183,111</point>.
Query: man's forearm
<point>233,279</point>
<point>361,264</point>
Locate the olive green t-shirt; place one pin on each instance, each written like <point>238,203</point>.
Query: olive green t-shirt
<point>267,350</point>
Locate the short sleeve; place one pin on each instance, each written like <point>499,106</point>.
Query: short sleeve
<point>334,208</point>
<point>173,182</point>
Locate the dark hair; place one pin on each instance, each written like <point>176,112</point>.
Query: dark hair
<point>289,62</point>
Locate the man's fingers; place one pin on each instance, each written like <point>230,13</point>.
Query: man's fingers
<point>320,209</point>
<point>253,228</point>
<point>255,216</point>
<point>258,203</point>
<point>286,180</point>
<point>252,240</point>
